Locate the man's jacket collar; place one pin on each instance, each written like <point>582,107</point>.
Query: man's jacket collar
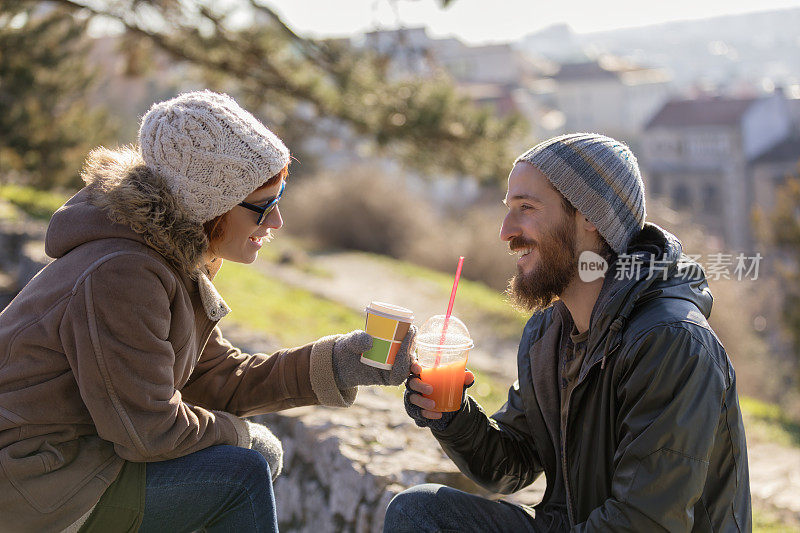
<point>664,272</point>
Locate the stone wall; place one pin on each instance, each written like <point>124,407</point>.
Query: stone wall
<point>343,466</point>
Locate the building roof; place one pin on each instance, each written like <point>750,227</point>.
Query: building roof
<point>701,112</point>
<point>610,68</point>
<point>498,95</point>
<point>786,150</point>
<point>644,76</point>
<point>589,70</point>
<point>416,30</point>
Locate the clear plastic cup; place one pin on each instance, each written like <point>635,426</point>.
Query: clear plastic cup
<point>443,360</point>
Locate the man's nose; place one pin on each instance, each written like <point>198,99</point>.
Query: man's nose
<point>509,229</point>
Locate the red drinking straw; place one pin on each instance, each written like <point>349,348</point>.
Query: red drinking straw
<point>449,309</point>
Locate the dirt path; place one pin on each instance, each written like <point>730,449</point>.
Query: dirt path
<point>775,478</point>
<point>354,279</point>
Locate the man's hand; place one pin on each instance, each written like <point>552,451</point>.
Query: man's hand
<point>419,408</point>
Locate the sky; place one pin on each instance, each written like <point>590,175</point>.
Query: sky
<point>482,21</point>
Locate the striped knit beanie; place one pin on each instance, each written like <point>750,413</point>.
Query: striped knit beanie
<point>211,152</point>
<point>600,177</point>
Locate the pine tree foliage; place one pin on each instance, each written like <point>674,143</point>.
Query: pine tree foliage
<point>46,122</point>
<point>242,46</point>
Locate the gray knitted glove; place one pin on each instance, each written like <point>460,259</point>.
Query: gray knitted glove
<point>264,442</point>
<point>349,371</point>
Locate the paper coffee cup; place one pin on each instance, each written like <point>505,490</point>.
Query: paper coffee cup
<point>388,325</point>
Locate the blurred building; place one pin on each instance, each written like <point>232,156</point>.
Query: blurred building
<point>493,75</point>
<point>408,50</point>
<point>130,79</point>
<point>770,170</point>
<point>701,154</point>
<point>793,97</point>
<point>499,64</point>
<point>412,52</point>
<point>609,96</point>
<point>727,54</point>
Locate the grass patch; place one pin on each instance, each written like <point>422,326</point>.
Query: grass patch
<point>766,522</point>
<point>292,316</point>
<point>767,422</point>
<point>474,298</point>
<point>36,203</point>
<point>491,393</point>
<point>9,212</point>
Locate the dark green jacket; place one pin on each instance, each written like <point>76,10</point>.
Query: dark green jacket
<point>654,438</point>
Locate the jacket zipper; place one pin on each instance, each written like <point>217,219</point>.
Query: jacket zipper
<point>564,467</point>
<point>570,511</point>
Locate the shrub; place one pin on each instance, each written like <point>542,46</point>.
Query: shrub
<point>473,233</point>
<point>366,210</point>
<point>361,210</point>
<point>36,203</point>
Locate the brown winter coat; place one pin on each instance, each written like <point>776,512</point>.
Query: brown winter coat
<point>113,353</point>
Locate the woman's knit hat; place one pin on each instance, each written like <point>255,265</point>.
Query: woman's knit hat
<point>600,177</point>
<point>211,152</point>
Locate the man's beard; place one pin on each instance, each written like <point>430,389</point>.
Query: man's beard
<point>557,266</point>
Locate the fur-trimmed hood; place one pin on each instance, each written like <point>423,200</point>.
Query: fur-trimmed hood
<point>123,198</point>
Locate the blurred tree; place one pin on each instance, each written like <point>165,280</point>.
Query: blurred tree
<point>242,46</point>
<point>46,123</point>
<point>784,225</point>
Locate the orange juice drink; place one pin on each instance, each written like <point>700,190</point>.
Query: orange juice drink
<point>443,345</point>
<point>448,385</point>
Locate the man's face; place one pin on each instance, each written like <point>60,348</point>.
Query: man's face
<point>538,229</point>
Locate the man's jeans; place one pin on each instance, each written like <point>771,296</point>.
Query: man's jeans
<point>432,508</point>
<point>221,488</point>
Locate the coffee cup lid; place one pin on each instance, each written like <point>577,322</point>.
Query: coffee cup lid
<point>390,309</point>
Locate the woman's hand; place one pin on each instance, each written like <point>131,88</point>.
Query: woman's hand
<point>268,445</point>
<point>349,371</point>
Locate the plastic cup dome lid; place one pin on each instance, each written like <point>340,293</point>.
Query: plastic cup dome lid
<point>456,336</point>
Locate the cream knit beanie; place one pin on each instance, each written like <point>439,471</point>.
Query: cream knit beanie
<point>211,152</point>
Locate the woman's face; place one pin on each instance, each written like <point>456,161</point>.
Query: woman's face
<point>242,237</point>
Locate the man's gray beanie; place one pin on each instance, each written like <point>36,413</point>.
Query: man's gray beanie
<point>600,177</point>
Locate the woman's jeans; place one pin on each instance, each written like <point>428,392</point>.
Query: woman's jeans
<point>221,488</point>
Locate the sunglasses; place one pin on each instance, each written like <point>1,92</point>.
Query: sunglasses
<point>266,209</point>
